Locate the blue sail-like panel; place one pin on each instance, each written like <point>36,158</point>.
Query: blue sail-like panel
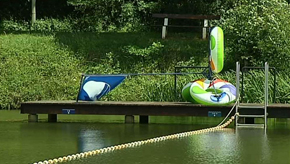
<point>95,87</point>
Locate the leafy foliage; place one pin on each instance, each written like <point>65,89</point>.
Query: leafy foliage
<point>103,15</point>
<point>9,25</point>
<point>111,15</point>
<point>41,25</point>
<point>21,9</point>
<point>258,31</point>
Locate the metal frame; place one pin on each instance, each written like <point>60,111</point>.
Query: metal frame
<point>266,103</point>
<point>237,90</point>
<point>266,96</point>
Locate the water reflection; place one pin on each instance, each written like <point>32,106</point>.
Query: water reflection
<point>214,147</point>
<point>29,142</point>
<point>253,144</point>
<point>90,140</point>
<point>92,137</point>
<point>242,145</point>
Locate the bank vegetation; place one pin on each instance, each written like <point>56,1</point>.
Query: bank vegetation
<point>70,37</point>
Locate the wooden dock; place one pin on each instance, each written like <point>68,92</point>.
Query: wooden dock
<point>141,109</point>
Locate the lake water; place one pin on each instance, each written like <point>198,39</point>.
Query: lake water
<point>22,142</point>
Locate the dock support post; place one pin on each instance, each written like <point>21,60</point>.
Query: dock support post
<point>143,119</point>
<point>129,119</point>
<point>52,118</point>
<point>32,118</point>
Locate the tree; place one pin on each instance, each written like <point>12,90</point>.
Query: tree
<point>258,31</point>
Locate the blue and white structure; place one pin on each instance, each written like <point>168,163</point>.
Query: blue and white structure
<point>93,87</point>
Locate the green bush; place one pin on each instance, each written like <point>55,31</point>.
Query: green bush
<point>14,26</point>
<point>21,9</point>
<point>258,31</point>
<point>47,25</point>
<point>111,15</point>
<point>52,25</point>
<point>104,15</point>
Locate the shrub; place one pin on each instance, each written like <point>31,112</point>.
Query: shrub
<point>258,31</point>
<point>15,26</point>
<point>46,25</point>
<point>52,25</point>
<point>111,15</point>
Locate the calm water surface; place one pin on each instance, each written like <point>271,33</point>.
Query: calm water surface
<point>22,142</point>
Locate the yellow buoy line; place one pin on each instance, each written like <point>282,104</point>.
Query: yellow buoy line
<point>68,158</point>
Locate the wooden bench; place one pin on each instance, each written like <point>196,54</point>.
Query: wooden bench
<point>205,19</point>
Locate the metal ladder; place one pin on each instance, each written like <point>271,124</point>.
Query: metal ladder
<point>262,106</point>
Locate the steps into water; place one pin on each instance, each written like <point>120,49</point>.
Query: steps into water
<point>263,107</point>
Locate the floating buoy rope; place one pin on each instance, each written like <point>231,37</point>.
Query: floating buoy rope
<point>230,113</point>
<point>220,127</point>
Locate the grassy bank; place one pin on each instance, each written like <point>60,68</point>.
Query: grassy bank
<point>35,67</point>
<point>48,67</point>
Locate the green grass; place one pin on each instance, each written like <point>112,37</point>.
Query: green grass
<point>48,66</point>
<point>35,67</point>
<point>133,52</point>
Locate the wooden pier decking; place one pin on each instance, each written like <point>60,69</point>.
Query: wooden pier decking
<point>141,109</point>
